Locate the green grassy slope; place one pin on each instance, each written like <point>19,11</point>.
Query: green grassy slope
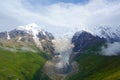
<point>93,66</point>
<point>21,65</point>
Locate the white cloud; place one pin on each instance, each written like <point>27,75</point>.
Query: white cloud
<point>97,12</point>
<point>112,49</point>
<point>60,15</point>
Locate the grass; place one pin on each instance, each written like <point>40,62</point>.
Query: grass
<point>93,66</point>
<point>21,65</point>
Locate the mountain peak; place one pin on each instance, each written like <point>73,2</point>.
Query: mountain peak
<point>28,35</point>
<point>29,28</point>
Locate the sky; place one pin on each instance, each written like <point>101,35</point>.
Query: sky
<point>59,16</point>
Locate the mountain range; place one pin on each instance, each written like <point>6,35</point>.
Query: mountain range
<point>31,34</point>
<point>88,44</point>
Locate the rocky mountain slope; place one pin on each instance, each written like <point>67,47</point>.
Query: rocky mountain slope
<point>86,38</point>
<point>83,40</point>
<point>28,36</point>
<point>112,34</point>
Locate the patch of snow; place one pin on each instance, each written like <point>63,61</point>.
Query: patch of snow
<point>43,40</point>
<point>43,32</point>
<point>103,31</point>
<point>19,39</point>
<point>33,30</point>
<point>30,28</point>
<point>106,31</point>
<point>8,36</point>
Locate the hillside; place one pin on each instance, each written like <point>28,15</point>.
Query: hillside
<point>21,65</point>
<point>93,66</point>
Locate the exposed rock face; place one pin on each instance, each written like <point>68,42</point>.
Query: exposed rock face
<point>83,40</point>
<point>14,33</point>
<point>3,35</point>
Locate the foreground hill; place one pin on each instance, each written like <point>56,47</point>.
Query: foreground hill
<point>93,64</point>
<point>21,65</point>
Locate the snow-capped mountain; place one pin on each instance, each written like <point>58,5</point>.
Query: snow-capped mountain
<point>37,34</point>
<point>83,39</point>
<point>34,30</point>
<point>28,35</point>
<point>112,34</point>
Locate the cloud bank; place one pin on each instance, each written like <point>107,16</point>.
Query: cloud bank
<point>112,49</point>
<point>60,15</point>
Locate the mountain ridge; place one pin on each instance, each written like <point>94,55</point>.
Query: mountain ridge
<point>29,34</point>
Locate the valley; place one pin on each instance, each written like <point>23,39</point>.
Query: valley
<point>27,53</point>
<point>52,72</point>
<point>59,39</point>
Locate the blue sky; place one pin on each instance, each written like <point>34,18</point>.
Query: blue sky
<point>49,2</point>
<point>54,15</point>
